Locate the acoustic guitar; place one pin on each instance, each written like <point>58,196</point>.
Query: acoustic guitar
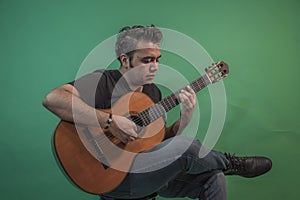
<point>95,160</point>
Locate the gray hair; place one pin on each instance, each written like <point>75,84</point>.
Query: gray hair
<point>128,38</point>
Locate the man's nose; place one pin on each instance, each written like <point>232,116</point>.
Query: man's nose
<point>154,66</point>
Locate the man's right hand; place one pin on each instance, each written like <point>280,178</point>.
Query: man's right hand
<point>123,129</point>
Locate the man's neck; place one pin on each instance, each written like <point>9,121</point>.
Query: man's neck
<point>136,88</point>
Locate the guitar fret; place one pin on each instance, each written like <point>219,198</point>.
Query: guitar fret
<point>147,114</point>
<point>164,105</point>
<point>152,114</point>
<point>200,85</point>
<point>195,86</point>
<point>175,100</point>
<point>207,80</point>
<point>162,110</point>
<point>171,100</point>
<point>167,102</point>
<point>144,117</point>
<point>156,109</point>
<point>140,119</point>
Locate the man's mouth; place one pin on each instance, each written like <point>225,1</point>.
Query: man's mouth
<point>150,76</point>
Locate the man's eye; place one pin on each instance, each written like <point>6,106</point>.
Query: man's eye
<point>147,60</point>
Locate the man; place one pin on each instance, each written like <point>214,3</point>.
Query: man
<point>185,174</point>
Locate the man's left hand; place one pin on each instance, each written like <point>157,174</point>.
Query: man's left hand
<point>188,99</point>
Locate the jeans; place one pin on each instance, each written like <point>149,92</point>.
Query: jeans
<point>174,169</point>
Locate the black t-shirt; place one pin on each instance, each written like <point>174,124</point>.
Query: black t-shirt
<point>102,88</point>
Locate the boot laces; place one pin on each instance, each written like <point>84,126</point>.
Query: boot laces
<point>235,163</point>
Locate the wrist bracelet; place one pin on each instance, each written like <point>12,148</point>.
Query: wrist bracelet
<point>108,122</point>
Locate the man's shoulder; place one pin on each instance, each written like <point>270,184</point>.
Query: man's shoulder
<point>153,91</point>
<point>97,76</point>
<point>111,73</point>
<point>151,86</point>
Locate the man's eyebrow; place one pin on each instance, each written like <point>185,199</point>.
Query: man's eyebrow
<point>146,57</point>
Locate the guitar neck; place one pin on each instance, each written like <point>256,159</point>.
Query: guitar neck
<point>173,100</point>
<point>159,109</point>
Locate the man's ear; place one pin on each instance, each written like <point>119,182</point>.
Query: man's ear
<point>124,60</point>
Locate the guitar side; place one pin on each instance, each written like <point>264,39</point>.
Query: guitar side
<point>82,168</point>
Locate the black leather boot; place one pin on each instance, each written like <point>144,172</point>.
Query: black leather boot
<point>248,167</point>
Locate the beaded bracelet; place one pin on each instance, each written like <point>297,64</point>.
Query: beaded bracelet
<point>108,122</point>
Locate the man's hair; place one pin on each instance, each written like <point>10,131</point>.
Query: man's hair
<point>128,38</point>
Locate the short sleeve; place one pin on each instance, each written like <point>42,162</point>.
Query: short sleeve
<point>153,92</point>
<point>88,86</point>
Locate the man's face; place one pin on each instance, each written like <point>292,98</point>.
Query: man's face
<point>145,63</point>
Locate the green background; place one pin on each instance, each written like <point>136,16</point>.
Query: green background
<point>43,43</point>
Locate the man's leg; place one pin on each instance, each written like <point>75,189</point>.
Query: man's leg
<point>205,186</point>
<point>154,169</point>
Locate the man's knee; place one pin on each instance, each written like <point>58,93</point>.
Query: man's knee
<point>220,179</point>
<point>216,186</point>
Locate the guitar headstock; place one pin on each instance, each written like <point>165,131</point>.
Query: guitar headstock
<point>217,71</point>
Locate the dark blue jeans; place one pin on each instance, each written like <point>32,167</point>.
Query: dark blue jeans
<point>173,169</point>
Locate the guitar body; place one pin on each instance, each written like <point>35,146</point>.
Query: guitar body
<point>80,159</point>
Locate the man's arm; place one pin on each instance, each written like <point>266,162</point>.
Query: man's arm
<point>65,102</point>
<point>188,99</point>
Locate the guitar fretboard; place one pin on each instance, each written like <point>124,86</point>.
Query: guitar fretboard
<point>159,109</point>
